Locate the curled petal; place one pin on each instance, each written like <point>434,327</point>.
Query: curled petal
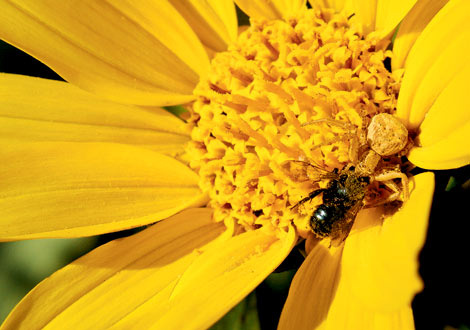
<point>102,287</point>
<point>444,138</point>
<point>182,273</point>
<point>369,282</point>
<point>411,27</point>
<point>439,53</point>
<point>313,289</point>
<point>215,21</point>
<point>382,260</point>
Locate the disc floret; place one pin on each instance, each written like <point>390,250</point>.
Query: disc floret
<point>303,89</point>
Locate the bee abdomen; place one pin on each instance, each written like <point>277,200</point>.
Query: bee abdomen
<point>323,218</point>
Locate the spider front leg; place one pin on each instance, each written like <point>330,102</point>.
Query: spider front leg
<point>344,137</point>
<point>388,177</point>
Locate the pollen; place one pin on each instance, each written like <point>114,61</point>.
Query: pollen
<point>303,89</point>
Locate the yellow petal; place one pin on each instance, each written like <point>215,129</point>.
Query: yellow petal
<point>451,65</point>
<point>182,273</point>
<point>366,12</point>
<point>215,282</point>
<point>346,313</point>
<point>33,109</point>
<point>312,289</point>
<point>226,11</point>
<point>450,152</point>
<point>434,53</point>
<point>273,9</point>
<point>449,112</point>
<point>444,136</point>
<point>381,15</point>
<point>60,189</point>
<point>390,13</point>
<point>140,53</point>
<point>411,27</point>
<point>370,282</point>
<point>338,5</point>
<point>101,288</point>
<point>381,260</point>
<point>215,21</point>
<point>322,299</point>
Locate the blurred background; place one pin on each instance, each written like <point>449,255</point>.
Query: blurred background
<point>443,304</point>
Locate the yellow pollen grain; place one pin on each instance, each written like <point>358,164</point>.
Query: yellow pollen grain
<point>296,89</point>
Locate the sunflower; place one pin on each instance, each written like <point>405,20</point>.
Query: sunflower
<point>298,86</point>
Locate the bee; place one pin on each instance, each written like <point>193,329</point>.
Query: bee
<point>349,189</point>
<point>343,198</point>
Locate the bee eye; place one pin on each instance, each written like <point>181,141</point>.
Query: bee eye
<point>342,192</point>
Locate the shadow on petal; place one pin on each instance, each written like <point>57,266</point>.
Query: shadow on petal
<point>313,289</point>
<point>102,287</point>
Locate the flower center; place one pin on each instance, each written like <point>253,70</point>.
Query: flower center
<point>289,97</point>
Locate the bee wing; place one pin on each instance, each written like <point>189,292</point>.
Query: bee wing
<point>344,226</point>
<point>300,171</point>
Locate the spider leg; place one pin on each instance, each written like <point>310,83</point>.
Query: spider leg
<point>368,163</point>
<point>395,195</point>
<point>354,150</point>
<point>333,122</point>
<point>387,177</point>
<point>348,136</point>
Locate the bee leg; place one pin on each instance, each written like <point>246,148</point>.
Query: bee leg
<point>311,196</point>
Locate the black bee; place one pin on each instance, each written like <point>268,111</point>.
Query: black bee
<point>343,198</point>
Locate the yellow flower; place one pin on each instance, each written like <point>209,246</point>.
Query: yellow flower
<point>78,163</point>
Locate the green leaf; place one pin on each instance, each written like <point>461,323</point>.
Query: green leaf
<point>177,110</point>
<point>280,282</point>
<point>451,184</point>
<point>25,263</point>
